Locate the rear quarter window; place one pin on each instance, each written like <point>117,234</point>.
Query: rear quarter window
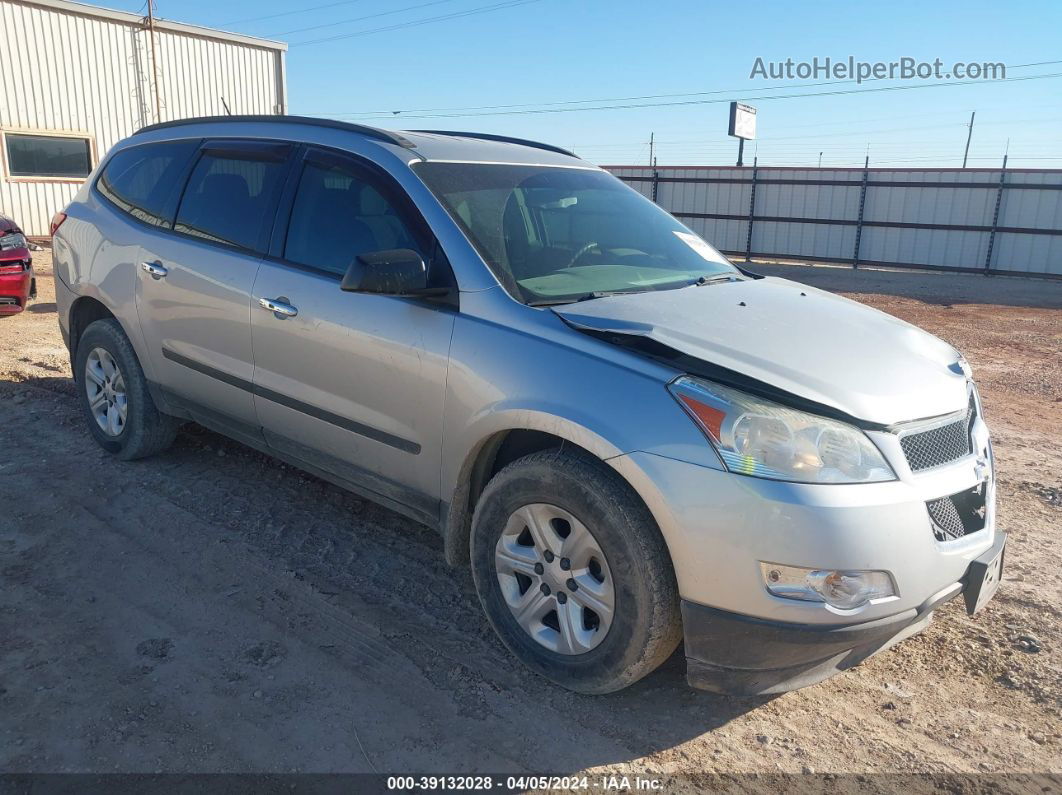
<point>144,180</point>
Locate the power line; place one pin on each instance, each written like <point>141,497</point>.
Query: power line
<point>788,86</point>
<point>362,19</point>
<point>944,84</point>
<point>418,22</point>
<point>983,157</point>
<point>871,121</point>
<point>850,134</point>
<point>612,99</point>
<point>709,146</point>
<point>289,13</point>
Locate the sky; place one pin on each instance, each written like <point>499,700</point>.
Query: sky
<point>380,56</point>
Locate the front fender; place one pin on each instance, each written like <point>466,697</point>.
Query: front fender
<point>513,367</point>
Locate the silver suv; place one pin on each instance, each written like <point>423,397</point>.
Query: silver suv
<point>631,441</point>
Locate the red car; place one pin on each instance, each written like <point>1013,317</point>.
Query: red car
<point>17,285</point>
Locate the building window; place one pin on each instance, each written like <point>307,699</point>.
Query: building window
<point>48,155</point>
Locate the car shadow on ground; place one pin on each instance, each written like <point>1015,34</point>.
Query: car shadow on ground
<point>62,385</point>
<point>41,308</point>
<point>658,712</point>
<point>442,639</point>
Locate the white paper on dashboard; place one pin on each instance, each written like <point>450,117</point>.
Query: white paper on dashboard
<point>698,245</point>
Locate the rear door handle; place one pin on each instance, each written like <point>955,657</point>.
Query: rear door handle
<point>154,268</point>
<point>278,306</point>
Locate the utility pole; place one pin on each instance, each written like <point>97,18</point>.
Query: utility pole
<point>969,135</point>
<point>652,160</point>
<point>820,159</point>
<point>154,59</point>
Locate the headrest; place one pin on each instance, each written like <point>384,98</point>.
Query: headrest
<point>372,203</point>
<point>231,186</point>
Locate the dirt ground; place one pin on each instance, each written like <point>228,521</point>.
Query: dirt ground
<point>213,610</point>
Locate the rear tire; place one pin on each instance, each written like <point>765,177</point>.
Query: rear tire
<point>114,395</point>
<point>623,621</point>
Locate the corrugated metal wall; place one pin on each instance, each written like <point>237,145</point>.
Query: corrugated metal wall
<point>64,70</point>
<point>939,218</point>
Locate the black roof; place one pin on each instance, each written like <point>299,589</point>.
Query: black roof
<point>371,132</point>
<point>501,138</point>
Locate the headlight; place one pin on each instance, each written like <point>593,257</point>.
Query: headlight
<point>13,240</point>
<point>768,440</point>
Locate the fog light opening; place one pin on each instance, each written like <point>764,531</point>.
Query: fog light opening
<point>838,588</point>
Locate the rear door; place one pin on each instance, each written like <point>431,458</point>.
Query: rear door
<point>194,290</point>
<point>351,384</point>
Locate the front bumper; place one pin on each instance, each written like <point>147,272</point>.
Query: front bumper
<point>744,656</point>
<point>14,290</point>
<point>720,527</point>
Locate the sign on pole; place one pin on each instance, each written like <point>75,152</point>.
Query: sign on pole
<point>742,121</point>
<point>742,126</point>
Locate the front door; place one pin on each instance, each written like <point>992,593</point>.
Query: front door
<point>350,384</point>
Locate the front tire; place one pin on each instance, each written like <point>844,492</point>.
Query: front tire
<point>114,395</point>
<point>573,573</point>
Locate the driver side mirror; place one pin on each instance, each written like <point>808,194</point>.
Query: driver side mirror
<point>399,271</point>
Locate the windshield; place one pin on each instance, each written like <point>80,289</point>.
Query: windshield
<point>553,235</point>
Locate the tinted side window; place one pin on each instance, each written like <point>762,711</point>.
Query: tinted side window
<point>337,216</point>
<point>143,180</point>
<point>231,199</point>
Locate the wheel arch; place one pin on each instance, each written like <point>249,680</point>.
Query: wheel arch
<point>85,311</point>
<point>500,447</point>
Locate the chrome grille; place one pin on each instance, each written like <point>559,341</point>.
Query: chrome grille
<point>941,445</point>
<point>959,514</point>
<point>946,518</point>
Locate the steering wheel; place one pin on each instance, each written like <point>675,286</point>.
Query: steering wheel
<point>582,253</point>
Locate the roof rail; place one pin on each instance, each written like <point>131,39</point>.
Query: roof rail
<point>371,132</point>
<point>505,139</point>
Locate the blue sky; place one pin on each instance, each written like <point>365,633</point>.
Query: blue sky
<point>551,51</point>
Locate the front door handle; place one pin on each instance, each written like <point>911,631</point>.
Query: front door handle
<point>278,306</point>
<point>155,269</point>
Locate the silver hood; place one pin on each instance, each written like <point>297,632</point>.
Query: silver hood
<point>813,344</point>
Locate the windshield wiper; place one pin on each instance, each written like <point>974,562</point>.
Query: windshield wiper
<point>720,277</point>
<point>584,297</point>
<point>606,294</point>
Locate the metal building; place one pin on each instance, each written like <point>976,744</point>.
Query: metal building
<point>75,79</point>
